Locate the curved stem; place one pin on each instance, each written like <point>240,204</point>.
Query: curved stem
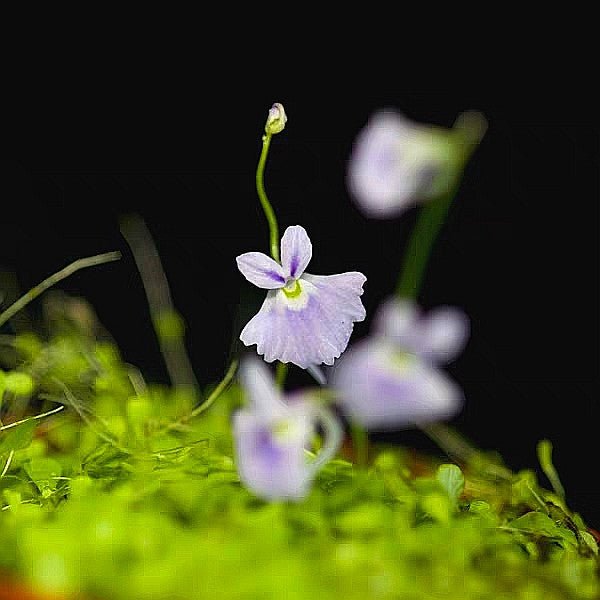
<point>33,293</point>
<point>333,438</point>
<point>264,201</point>
<point>32,418</point>
<point>223,385</point>
<point>167,322</point>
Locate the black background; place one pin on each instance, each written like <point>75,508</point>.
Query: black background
<point>519,252</point>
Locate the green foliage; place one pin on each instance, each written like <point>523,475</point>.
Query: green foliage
<point>122,495</point>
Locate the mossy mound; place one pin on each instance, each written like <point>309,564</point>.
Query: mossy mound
<point>121,495</point>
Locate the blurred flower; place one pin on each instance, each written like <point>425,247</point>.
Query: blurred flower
<point>271,436</point>
<point>396,163</point>
<point>392,378</point>
<point>305,319</point>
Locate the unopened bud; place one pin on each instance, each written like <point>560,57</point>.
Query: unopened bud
<point>276,120</point>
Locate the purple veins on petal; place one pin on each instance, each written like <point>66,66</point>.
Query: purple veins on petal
<point>261,270</point>
<point>296,251</point>
<point>294,265</point>
<point>276,277</point>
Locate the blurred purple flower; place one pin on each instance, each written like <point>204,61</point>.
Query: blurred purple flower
<point>271,436</point>
<point>396,163</point>
<point>392,379</point>
<point>305,319</point>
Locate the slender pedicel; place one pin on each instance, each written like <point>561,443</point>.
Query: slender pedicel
<point>276,121</point>
<point>33,293</point>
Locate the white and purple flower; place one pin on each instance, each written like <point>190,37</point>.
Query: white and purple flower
<point>396,163</point>
<point>392,379</point>
<point>305,319</point>
<point>272,433</point>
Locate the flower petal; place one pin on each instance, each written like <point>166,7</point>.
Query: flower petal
<point>271,463</point>
<point>296,250</point>
<point>383,389</point>
<point>444,333</point>
<point>397,320</point>
<point>396,162</point>
<point>261,270</point>
<point>439,335</point>
<point>381,181</point>
<point>311,328</point>
<point>257,382</point>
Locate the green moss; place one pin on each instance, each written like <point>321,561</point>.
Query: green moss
<point>122,496</point>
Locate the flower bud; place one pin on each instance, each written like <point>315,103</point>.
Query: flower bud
<point>276,120</point>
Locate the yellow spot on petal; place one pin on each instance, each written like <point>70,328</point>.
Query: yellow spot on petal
<point>292,289</point>
<point>403,361</point>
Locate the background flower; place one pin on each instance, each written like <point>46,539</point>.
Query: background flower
<point>392,379</point>
<point>272,433</point>
<point>396,163</point>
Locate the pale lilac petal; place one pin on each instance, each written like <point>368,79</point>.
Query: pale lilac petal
<point>381,388</point>
<point>396,162</point>
<point>296,251</point>
<point>439,335</point>
<point>397,319</point>
<point>261,270</point>
<point>444,333</point>
<point>272,463</point>
<point>262,394</point>
<point>380,180</point>
<point>313,328</point>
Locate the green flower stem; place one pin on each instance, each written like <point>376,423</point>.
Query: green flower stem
<point>424,234</point>
<point>360,444</point>
<point>33,293</point>
<point>282,369</point>
<point>281,374</point>
<point>223,385</point>
<point>468,129</point>
<point>262,196</point>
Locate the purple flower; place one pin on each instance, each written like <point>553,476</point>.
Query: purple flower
<point>271,436</point>
<point>392,379</point>
<point>396,163</point>
<point>305,319</point>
